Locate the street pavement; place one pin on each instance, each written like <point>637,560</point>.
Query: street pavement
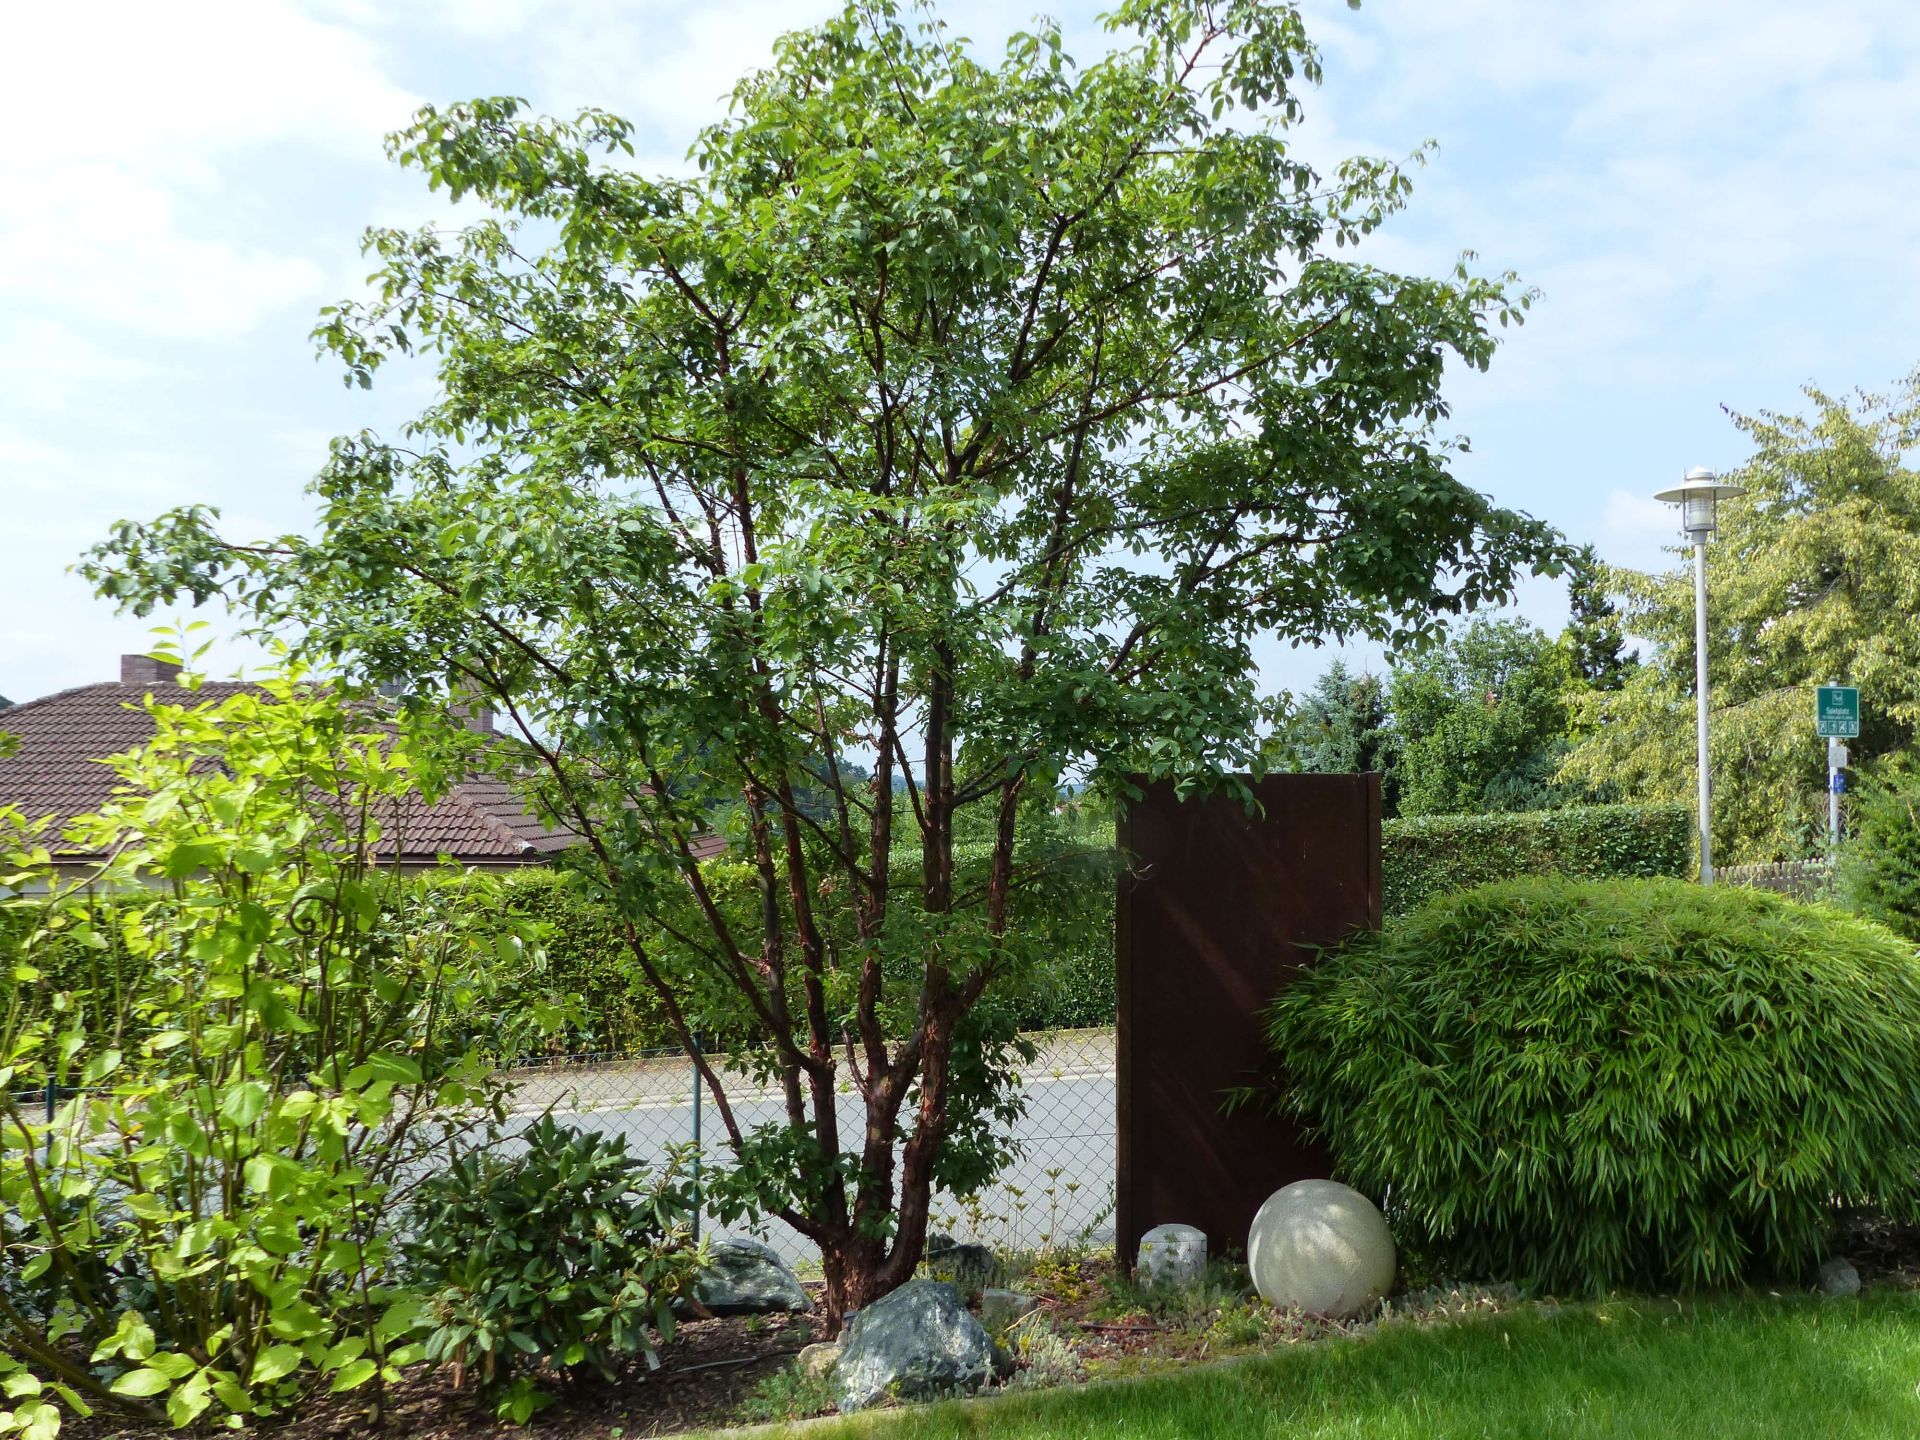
<point>1058,1190</point>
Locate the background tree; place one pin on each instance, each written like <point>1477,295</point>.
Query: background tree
<point>1341,727</point>
<point>1480,722</point>
<point>973,418</point>
<point>1594,637</point>
<point>1815,577</point>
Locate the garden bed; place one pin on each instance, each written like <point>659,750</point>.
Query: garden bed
<point>1092,1324</point>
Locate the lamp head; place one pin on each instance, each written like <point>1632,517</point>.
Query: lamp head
<point>1698,495</point>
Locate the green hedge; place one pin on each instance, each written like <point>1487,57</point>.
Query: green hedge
<point>587,956</point>
<point>1420,858</point>
<point>1436,854</point>
<point>1587,1084</point>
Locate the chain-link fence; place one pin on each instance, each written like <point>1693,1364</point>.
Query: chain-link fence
<point>1058,1188</point>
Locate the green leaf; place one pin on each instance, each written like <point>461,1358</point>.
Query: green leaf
<point>273,1363</point>
<point>357,1373</point>
<point>142,1383</point>
<point>244,1102</point>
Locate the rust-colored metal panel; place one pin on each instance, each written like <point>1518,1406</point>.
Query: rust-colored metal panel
<point>1219,907</point>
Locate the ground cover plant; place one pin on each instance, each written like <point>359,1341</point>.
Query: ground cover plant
<point>1585,1085</point>
<point>975,416</point>
<point>202,1226</point>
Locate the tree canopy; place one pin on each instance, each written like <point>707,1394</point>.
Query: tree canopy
<point>969,417</point>
<point>1815,577</point>
<point>1341,727</point>
<point>1480,722</point>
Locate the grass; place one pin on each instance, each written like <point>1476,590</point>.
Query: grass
<point>1653,1368</point>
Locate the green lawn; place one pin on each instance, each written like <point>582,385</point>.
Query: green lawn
<point>1795,1367</point>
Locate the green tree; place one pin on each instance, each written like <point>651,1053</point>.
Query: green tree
<point>972,416</point>
<point>1815,577</point>
<point>1480,721</point>
<point>1879,871</point>
<point>1342,727</point>
<point>1594,638</point>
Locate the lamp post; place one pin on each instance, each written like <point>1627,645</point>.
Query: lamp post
<point>1698,495</point>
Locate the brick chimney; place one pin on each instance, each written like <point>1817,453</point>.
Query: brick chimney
<point>145,670</point>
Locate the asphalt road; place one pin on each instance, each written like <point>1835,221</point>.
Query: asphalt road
<point>1059,1189</point>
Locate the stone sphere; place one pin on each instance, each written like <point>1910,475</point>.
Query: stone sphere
<point>1321,1247</point>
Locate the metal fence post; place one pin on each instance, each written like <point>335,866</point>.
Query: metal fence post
<point>696,1137</point>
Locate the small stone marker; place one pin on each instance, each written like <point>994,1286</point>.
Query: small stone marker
<point>1318,1246</point>
<point>1171,1255</point>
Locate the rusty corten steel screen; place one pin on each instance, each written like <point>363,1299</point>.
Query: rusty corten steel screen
<point>1219,906</point>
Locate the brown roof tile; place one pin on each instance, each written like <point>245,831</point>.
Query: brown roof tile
<point>57,771</point>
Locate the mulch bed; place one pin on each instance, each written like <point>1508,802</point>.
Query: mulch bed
<point>1880,1249</point>
<point>704,1377</point>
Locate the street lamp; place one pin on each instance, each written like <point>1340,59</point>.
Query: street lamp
<point>1698,495</point>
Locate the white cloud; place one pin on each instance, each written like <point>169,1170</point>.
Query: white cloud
<point>1636,530</point>
<point>131,206</point>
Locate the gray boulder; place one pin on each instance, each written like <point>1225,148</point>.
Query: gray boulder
<point>918,1343</point>
<point>744,1277</point>
<point>1838,1277</point>
<point>1001,1310</point>
<point>971,1268</point>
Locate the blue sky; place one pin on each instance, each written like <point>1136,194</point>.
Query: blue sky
<point>1719,201</point>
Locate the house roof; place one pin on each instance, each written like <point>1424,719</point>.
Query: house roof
<point>57,771</point>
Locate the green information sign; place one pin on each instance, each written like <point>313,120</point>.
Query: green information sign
<point>1836,710</point>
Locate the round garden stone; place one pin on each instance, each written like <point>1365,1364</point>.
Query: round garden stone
<point>1318,1246</point>
<point>818,1359</point>
<point>917,1343</point>
<point>1838,1277</point>
<point>1171,1255</point>
<point>744,1277</point>
<point>969,1268</point>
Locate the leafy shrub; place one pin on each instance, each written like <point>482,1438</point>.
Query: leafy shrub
<point>1068,912</point>
<point>1433,855</point>
<point>1585,1084</point>
<point>567,1254</point>
<point>202,1226</point>
<point>1880,868</point>
<point>587,956</point>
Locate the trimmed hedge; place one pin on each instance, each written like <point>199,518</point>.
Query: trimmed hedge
<point>1587,1084</point>
<point>587,956</point>
<point>1076,988</point>
<point>1421,858</point>
<point>1437,854</point>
